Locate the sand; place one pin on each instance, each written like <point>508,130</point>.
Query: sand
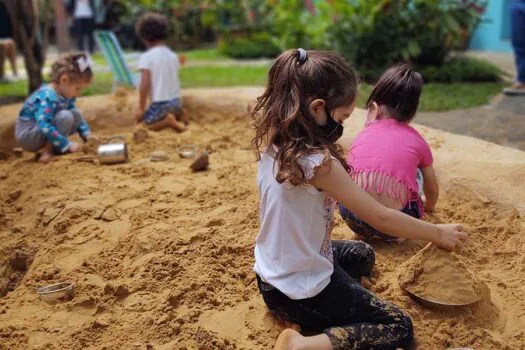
<point>441,277</point>
<point>162,256</point>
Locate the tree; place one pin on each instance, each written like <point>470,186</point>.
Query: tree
<point>24,16</point>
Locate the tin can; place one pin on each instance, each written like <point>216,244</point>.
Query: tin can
<point>113,153</point>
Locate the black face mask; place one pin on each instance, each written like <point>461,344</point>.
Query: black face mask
<point>333,130</point>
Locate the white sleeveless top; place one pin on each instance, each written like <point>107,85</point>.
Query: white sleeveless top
<point>293,251</point>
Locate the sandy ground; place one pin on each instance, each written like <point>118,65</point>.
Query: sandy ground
<point>162,257</point>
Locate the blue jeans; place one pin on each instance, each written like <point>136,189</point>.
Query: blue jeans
<point>517,20</point>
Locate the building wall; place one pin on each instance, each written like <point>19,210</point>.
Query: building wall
<point>493,33</point>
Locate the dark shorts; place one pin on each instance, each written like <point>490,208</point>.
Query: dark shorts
<point>367,232</point>
<point>159,110</point>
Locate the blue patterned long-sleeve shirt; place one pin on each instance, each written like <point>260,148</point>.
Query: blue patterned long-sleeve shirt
<point>42,106</point>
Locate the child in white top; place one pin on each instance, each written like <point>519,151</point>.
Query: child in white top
<point>303,275</point>
<point>159,68</point>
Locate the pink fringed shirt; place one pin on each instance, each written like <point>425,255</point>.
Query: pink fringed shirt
<point>385,157</point>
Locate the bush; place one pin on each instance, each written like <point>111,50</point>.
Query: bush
<point>378,33</point>
<point>461,69</point>
<point>454,70</point>
<point>257,45</point>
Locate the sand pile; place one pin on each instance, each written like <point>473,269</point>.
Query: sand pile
<point>162,256</point>
<point>439,276</point>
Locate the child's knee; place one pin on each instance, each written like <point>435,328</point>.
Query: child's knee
<point>64,122</point>
<point>65,117</point>
<point>369,256</point>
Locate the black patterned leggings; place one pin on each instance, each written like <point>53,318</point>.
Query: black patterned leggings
<point>351,316</point>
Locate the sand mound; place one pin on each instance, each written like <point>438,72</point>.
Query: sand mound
<point>439,276</point>
<point>162,257</point>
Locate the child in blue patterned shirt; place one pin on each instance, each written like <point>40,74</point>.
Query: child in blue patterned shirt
<point>49,116</point>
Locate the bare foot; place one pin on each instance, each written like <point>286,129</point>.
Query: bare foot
<point>287,340</point>
<point>183,117</point>
<point>178,126</point>
<point>283,324</point>
<point>168,122</point>
<point>290,339</point>
<point>45,157</point>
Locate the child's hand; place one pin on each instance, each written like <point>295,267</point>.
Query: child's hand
<point>92,137</point>
<point>430,209</point>
<point>451,236</point>
<point>139,115</point>
<point>75,147</point>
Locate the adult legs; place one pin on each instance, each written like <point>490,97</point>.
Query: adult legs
<point>517,20</point>
<point>90,30</point>
<point>80,32</point>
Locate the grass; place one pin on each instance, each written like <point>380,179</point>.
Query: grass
<point>17,88</point>
<point>440,97</point>
<point>193,55</point>
<point>223,76</point>
<point>435,96</point>
<point>204,54</point>
<point>98,59</point>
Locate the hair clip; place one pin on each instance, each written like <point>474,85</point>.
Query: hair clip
<point>83,64</point>
<point>301,55</point>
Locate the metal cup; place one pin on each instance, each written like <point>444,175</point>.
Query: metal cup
<point>113,153</point>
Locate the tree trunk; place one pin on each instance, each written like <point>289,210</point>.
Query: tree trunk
<point>63,41</point>
<point>24,17</point>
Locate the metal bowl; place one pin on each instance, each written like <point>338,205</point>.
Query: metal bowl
<point>56,291</point>
<point>435,303</point>
<point>187,151</point>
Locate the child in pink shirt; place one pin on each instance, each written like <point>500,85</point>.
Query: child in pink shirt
<point>386,157</point>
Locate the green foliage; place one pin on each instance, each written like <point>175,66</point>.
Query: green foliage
<point>186,17</point>
<point>295,26</point>
<point>256,45</point>
<point>461,69</point>
<point>453,70</point>
<point>374,34</point>
<point>378,33</point>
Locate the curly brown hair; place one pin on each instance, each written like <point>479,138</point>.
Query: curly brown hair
<point>282,117</point>
<point>68,64</point>
<point>152,27</point>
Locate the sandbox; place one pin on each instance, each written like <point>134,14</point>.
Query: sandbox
<point>162,257</point>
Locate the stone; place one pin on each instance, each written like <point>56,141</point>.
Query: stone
<point>140,135</point>
<point>201,163</point>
